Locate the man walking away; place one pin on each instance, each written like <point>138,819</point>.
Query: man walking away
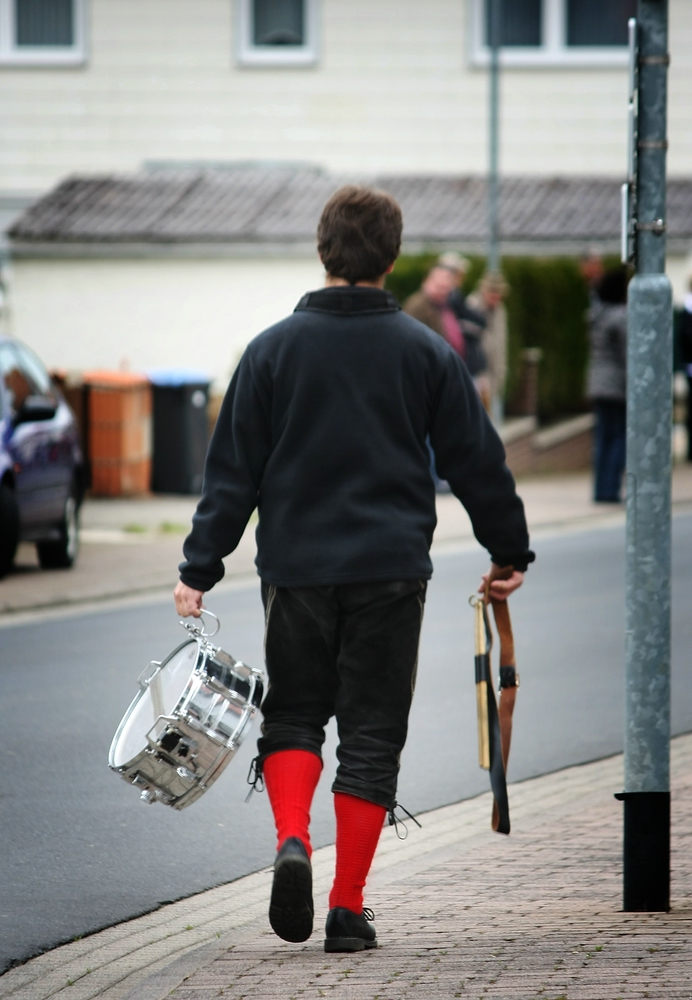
<point>323,430</point>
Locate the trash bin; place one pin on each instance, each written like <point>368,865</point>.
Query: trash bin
<point>181,429</point>
<point>119,433</point>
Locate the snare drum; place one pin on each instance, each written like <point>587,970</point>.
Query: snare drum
<point>191,714</point>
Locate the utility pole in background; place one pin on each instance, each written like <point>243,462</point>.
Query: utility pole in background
<point>494,30</point>
<point>649,465</point>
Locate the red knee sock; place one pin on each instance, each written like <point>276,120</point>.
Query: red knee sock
<point>358,827</point>
<point>290,777</point>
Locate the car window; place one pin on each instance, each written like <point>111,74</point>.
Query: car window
<point>18,382</point>
<point>34,371</point>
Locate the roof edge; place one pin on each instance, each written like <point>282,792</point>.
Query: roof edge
<point>69,250</point>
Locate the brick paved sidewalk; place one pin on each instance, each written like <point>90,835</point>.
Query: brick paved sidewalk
<point>535,915</point>
<point>461,912</point>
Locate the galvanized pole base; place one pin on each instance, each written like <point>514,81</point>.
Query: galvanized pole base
<point>647,700</point>
<point>646,874</point>
<point>649,466</point>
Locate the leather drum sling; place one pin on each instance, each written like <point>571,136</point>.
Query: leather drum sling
<point>495,720</point>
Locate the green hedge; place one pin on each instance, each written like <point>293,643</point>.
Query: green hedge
<point>546,308</point>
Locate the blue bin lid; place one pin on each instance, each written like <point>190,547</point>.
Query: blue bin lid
<point>177,376</point>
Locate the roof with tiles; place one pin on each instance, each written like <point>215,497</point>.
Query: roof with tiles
<point>282,205</point>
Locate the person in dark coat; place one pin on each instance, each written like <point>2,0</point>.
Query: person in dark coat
<point>607,382</point>
<point>685,345</point>
<point>473,321</point>
<point>323,431</point>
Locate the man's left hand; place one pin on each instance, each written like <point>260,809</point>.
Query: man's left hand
<point>501,589</point>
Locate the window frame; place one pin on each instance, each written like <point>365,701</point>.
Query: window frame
<point>554,50</point>
<point>271,56</point>
<point>50,56</point>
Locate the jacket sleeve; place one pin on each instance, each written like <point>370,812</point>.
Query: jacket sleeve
<point>237,455</point>
<point>470,456</point>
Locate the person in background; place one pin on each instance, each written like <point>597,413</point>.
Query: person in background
<point>430,305</point>
<point>685,343</point>
<point>472,320</point>
<point>592,270</point>
<point>458,266</point>
<point>607,382</point>
<point>488,300</point>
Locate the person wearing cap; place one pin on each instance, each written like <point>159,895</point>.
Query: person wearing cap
<point>472,320</point>
<point>458,267</point>
<point>488,299</point>
<point>430,305</point>
<point>441,304</point>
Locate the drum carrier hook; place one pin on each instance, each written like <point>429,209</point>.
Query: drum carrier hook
<point>199,631</point>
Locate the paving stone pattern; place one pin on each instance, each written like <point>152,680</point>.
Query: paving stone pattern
<point>461,912</point>
<point>531,917</point>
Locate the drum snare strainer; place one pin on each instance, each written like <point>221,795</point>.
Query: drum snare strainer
<point>191,714</point>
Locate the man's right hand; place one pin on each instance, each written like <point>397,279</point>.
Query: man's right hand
<point>188,601</point>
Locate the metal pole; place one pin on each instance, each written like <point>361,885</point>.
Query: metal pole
<point>649,404</point>
<point>494,11</point>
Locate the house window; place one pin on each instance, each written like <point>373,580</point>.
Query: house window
<point>554,32</point>
<point>592,22</point>
<point>42,32</point>
<point>278,22</point>
<point>519,22</point>
<point>276,32</point>
<point>44,22</point>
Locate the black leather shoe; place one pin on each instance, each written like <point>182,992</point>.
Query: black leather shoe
<point>349,931</point>
<point>291,909</point>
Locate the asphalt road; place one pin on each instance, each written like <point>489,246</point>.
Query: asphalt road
<point>79,850</point>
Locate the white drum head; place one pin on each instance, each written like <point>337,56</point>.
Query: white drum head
<point>160,698</point>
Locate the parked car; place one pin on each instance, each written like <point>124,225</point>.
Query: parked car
<point>41,462</point>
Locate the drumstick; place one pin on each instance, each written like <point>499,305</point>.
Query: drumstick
<point>482,676</point>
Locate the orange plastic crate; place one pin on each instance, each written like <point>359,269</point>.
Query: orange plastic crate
<point>120,478</point>
<point>119,433</point>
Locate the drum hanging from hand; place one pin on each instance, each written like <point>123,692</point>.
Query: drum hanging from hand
<point>191,714</point>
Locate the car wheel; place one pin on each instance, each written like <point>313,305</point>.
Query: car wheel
<point>9,528</point>
<point>63,553</point>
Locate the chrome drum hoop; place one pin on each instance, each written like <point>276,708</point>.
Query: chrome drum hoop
<point>184,752</point>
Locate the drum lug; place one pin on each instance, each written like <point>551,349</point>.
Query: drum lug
<point>145,678</point>
<point>148,796</point>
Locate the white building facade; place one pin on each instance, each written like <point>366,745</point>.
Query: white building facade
<point>383,85</point>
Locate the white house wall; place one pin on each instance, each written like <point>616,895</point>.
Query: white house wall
<point>85,314</point>
<point>393,90</point>
<point>153,313</point>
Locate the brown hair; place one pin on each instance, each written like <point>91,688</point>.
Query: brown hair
<point>359,233</point>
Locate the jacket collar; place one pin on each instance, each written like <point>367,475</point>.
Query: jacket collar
<point>346,300</point>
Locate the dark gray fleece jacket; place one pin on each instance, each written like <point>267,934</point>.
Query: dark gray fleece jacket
<point>323,429</point>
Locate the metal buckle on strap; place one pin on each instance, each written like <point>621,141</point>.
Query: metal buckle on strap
<point>509,678</point>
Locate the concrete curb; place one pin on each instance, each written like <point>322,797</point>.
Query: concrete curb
<point>148,957</point>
